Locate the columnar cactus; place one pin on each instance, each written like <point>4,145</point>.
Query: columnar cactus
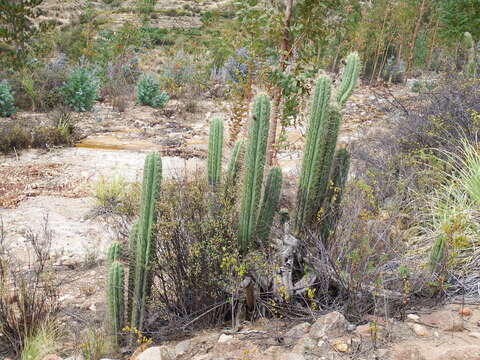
<point>320,143</point>
<point>113,253</point>
<point>115,298</point>
<point>214,157</point>
<point>471,66</point>
<point>271,195</point>
<point>308,188</point>
<point>349,78</point>
<point>144,239</point>
<point>234,164</point>
<point>334,195</point>
<point>254,167</point>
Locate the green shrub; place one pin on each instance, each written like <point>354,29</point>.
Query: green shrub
<point>14,138</point>
<point>7,102</point>
<point>148,92</point>
<point>81,89</point>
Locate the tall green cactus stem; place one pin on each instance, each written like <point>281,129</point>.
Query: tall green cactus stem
<point>308,189</point>
<point>113,253</point>
<point>271,196</point>
<point>438,254</point>
<point>115,298</point>
<point>234,164</point>
<point>254,168</point>
<point>132,250</point>
<point>349,78</point>
<point>334,195</point>
<point>471,66</point>
<point>214,157</point>
<point>144,246</point>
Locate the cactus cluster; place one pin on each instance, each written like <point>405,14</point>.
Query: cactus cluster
<point>141,253</point>
<point>321,141</point>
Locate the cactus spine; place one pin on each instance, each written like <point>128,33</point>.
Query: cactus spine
<point>271,195</point>
<point>143,246</point>
<point>115,294</point>
<point>333,198</point>
<point>254,167</point>
<point>320,144</point>
<point>214,157</point>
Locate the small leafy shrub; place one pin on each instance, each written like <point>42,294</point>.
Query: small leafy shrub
<point>7,102</point>
<point>81,89</point>
<point>236,67</point>
<point>116,195</point>
<point>94,344</point>
<point>14,137</point>
<point>148,92</point>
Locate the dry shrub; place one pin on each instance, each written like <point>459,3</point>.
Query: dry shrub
<point>196,244</point>
<point>28,291</point>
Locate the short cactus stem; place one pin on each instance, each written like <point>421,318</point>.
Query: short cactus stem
<point>214,156</point>
<point>115,298</point>
<point>271,196</point>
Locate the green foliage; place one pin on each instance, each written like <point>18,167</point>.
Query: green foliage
<point>254,166</point>
<point>45,341</point>
<point>437,256</point>
<point>144,248</point>
<point>18,26</point>
<point>214,156</point>
<point>7,102</point>
<point>14,138</point>
<point>81,89</point>
<point>271,196</point>
<point>458,17</point>
<point>145,7</point>
<point>115,298</point>
<point>148,92</point>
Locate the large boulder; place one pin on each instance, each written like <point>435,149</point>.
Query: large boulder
<point>157,353</point>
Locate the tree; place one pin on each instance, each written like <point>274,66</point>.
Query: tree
<point>458,17</point>
<point>17,26</point>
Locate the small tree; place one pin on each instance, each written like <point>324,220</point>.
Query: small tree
<point>17,27</point>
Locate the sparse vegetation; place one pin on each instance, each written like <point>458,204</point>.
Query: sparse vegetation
<point>81,89</point>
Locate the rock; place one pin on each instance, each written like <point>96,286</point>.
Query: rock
<point>464,311</point>
<point>75,357</point>
<point>340,345</point>
<point>182,347</point>
<point>475,335</point>
<point>329,325</point>
<point>419,330</point>
<point>406,352</point>
<point>297,332</point>
<point>304,345</point>
<point>291,356</point>
<point>157,353</point>
<point>413,317</point>
<point>445,320</point>
<point>52,357</point>
<point>366,331</point>
<point>224,338</point>
<point>471,352</point>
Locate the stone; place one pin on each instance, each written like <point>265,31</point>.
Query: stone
<point>304,345</point>
<point>157,353</point>
<point>469,352</point>
<point>224,338</point>
<point>413,317</point>
<point>330,325</point>
<point>291,356</point>
<point>297,332</point>
<point>365,331</point>
<point>464,311</point>
<point>182,347</point>
<point>419,330</point>
<point>445,320</point>
<point>406,352</point>
<point>75,357</point>
<point>340,345</point>
<point>475,335</point>
<point>52,357</point>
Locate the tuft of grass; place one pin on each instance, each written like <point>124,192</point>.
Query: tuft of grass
<point>46,341</point>
<point>116,195</point>
<point>94,344</point>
